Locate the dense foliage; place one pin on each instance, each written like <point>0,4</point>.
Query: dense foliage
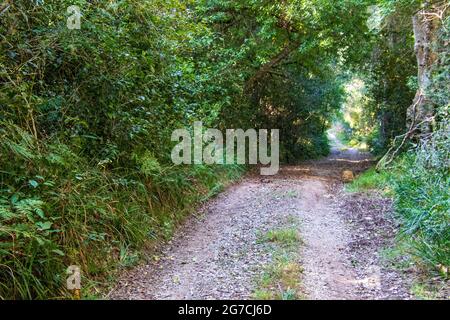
<point>285,56</point>
<point>85,123</point>
<point>386,82</point>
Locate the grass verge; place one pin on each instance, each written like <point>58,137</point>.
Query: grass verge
<point>419,189</point>
<point>281,279</point>
<point>58,208</point>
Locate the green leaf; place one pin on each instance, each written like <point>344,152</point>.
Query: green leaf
<point>40,213</point>
<point>57,251</point>
<point>14,198</point>
<point>44,225</point>
<point>33,183</point>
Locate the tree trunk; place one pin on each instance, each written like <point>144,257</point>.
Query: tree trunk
<point>425,28</point>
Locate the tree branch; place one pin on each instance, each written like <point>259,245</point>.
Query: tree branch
<point>265,68</point>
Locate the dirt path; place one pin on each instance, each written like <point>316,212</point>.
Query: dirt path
<point>218,255</point>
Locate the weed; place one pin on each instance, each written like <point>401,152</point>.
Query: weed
<point>281,279</point>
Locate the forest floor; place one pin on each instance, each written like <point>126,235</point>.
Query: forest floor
<point>228,251</point>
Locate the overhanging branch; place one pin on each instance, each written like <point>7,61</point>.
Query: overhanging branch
<point>265,68</point>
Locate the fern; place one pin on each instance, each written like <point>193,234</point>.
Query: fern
<point>18,141</point>
<point>6,214</point>
<point>30,208</point>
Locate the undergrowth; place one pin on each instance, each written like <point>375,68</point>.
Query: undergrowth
<point>422,204</point>
<point>59,209</point>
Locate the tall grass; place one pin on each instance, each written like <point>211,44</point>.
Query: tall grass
<point>419,182</point>
<point>422,199</point>
<point>58,209</point>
